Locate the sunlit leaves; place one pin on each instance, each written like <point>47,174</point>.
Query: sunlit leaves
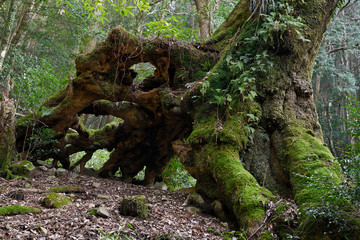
<point>99,9</point>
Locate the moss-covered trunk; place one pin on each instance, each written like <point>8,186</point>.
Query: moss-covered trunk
<point>274,137</point>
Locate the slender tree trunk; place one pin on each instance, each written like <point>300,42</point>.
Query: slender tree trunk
<point>12,33</point>
<point>204,17</point>
<point>317,87</point>
<point>7,129</point>
<point>328,117</point>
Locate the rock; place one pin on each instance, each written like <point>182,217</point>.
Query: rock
<point>17,195</point>
<point>103,212</point>
<point>42,163</point>
<point>43,230</point>
<point>24,168</point>
<point>73,175</point>
<point>218,209</point>
<point>52,171</point>
<point>90,172</point>
<point>135,206</point>
<point>100,196</point>
<point>55,200</point>
<point>196,199</point>
<point>60,172</point>
<point>91,205</point>
<point>95,184</point>
<point>160,185</point>
<point>43,168</point>
<point>193,210</point>
<point>51,177</point>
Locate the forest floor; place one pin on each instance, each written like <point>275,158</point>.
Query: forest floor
<point>168,213</point>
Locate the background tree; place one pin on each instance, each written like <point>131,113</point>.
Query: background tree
<point>337,76</point>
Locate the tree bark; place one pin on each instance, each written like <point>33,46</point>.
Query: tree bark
<point>7,130</point>
<point>204,17</point>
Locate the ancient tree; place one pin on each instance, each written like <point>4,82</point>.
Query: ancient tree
<point>238,109</point>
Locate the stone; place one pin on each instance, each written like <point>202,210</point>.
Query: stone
<point>42,163</point>
<point>43,230</point>
<point>17,195</point>
<point>135,206</point>
<point>24,168</point>
<point>55,200</point>
<point>73,175</point>
<point>43,168</point>
<point>160,185</point>
<point>196,199</point>
<point>90,172</point>
<point>218,209</point>
<point>51,177</point>
<point>101,196</point>
<point>103,212</point>
<point>95,184</point>
<point>60,172</point>
<point>52,171</point>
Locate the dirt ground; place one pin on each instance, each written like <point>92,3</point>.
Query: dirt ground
<point>168,214</point>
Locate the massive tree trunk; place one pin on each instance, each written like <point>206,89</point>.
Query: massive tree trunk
<point>239,113</point>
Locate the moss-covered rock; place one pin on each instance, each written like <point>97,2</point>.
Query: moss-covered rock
<point>55,200</point>
<point>135,206</point>
<point>66,189</point>
<point>24,168</point>
<point>15,210</point>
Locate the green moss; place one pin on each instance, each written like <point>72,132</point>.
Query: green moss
<point>55,200</point>
<point>203,131</point>
<point>235,130</point>
<point>14,210</point>
<point>306,155</point>
<point>135,206</point>
<point>27,120</point>
<point>92,211</point>
<point>24,168</point>
<point>66,189</point>
<point>235,186</point>
<point>266,236</point>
